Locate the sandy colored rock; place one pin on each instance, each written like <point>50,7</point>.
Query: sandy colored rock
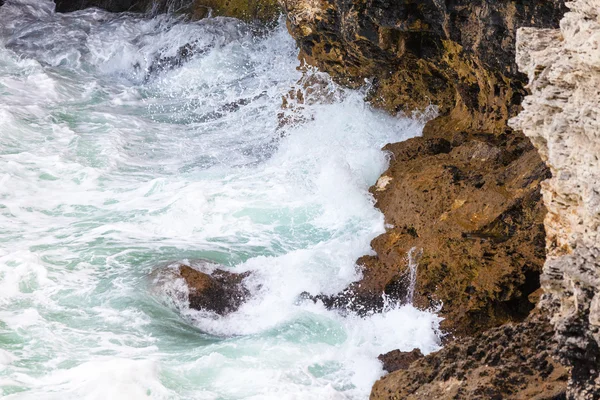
<point>561,116</point>
<point>512,362</point>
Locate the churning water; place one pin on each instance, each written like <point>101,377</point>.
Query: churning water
<point>126,144</point>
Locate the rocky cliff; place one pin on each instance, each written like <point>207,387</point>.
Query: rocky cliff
<point>471,210</point>
<point>562,119</point>
<point>466,194</point>
<point>456,55</point>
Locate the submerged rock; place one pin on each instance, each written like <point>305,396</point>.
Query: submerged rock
<point>512,362</point>
<point>472,210</point>
<point>561,116</point>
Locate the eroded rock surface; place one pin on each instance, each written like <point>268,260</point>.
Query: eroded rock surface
<point>472,208</point>
<point>220,291</point>
<point>562,118</point>
<point>206,286</point>
<point>456,55</point>
<point>511,362</point>
<point>399,360</point>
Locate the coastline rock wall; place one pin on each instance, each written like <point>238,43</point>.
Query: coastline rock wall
<point>458,55</point>
<point>562,118</point>
<point>473,205</point>
<point>473,208</point>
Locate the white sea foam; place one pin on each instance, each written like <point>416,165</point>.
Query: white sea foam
<point>111,165</point>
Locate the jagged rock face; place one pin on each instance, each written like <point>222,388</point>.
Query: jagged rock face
<point>471,208</point>
<point>456,55</point>
<point>562,118</point>
<point>512,362</point>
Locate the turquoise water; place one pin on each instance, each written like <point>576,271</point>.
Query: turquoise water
<point>112,168</point>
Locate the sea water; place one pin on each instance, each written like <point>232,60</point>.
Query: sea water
<point>127,144</point>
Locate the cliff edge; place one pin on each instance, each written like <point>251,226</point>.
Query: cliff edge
<point>562,118</point>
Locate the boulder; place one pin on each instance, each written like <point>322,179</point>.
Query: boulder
<point>219,291</point>
<point>203,286</point>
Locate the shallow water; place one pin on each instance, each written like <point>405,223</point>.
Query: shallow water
<point>113,164</point>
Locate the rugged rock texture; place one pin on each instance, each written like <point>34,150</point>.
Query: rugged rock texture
<point>472,207</point>
<point>562,118</point>
<point>220,291</point>
<point>457,55</point>
<point>206,287</point>
<point>512,362</point>
<point>399,360</point>
<point>247,10</point>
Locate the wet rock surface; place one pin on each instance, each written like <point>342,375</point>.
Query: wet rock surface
<point>205,286</point>
<point>458,56</point>
<point>220,291</point>
<point>513,361</point>
<point>472,210</point>
<point>399,360</point>
<point>561,118</point>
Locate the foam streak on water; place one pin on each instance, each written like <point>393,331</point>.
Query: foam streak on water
<point>115,159</point>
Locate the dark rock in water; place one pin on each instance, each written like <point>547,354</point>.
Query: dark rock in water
<point>511,362</point>
<point>219,291</point>
<point>396,360</point>
<point>472,205</point>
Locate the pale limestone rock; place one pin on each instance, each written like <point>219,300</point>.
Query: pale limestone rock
<point>562,118</point>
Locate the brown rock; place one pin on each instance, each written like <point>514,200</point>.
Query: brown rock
<point>458,55</point>
<point>512,362</point>
<point>472,210</point>
<point>396,360</point>
<point>220,291</point>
